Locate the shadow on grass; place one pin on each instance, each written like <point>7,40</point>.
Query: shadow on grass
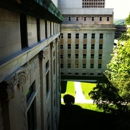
<point>73,117</point>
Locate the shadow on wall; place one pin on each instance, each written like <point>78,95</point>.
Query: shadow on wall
<point>63,86</point>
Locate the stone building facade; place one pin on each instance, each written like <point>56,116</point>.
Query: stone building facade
<point>87,37</point>
<point>29,65</point>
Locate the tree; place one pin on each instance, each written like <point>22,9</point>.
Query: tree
<point>127,20</point>
<point>118,70</point>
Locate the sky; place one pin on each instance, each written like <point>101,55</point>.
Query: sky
<point>121,8</point>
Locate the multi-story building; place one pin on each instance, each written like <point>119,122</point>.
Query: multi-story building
<point>93,3</point>
<point>29,65</point>
<point>82,3</point>
<point>87,37</point>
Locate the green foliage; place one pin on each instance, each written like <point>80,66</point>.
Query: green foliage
<point>119,22</point>
<point>127,20</point>
<point>107,98</point>
<point>118,70</point>
<point>86,88</point>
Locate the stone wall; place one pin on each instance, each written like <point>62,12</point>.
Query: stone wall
<point>10,41</point>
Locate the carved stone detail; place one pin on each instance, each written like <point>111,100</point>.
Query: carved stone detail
<point>19,78</point>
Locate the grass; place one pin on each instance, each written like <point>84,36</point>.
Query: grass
<point>92,107</point>
<point>70,89</point>
<point>86,88</point>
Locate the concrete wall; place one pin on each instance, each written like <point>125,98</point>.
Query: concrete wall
<point>88,19</point>
<point>31,31</point>
<point>20,68</point>
<point>70,4</point>
<point>107,42</point>
<point>86,11</point>
<point>10,41</point>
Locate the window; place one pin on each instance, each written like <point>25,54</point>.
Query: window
<point>69,18</point>
<point>76,46</point>
<point>69,65</point>
<point>100,56</point>
<point>100,18</point>
<point>84,46</point>
<point>108,19</point>
<point>91,73</point>
<point>31,115</point>
<point>99,65</point>
<point>76,65</point>
<point>92,56</point>
<point>84,65</point>
<point>69,73</point>
<point>93,36</point>
<point>69,35</point>
<point>84,18</point>
<point>61,35</point>
<point>77,18</point>
<point>62,73</point>
<point>101,36</point>
<point>83,73</point>
<point>76,35</point>
<point>38,30</point>
<point>92,46</point>
<point>61,56</point>
<point>23,30</point>
<point>61,65</point>
<point>92,18</point>
<point>91,65</point>
<point>99,74</point>
<point>47,65</point>
<point>61,46</point>
<point>85,35</point>
<point>84,55</point>
<point>76,55</point>
<point>54,66</point>
<point>47,82</point>
<point>69,46</point>
<point>100,46</point>
<point>76,73</point>
<point>30,91</point>
<point>69,55</point>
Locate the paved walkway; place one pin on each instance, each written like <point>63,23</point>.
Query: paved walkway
<point>79,96</point>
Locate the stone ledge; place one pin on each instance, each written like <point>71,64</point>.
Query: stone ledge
<point>12,63</point>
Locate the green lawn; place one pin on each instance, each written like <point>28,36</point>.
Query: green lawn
<point>86,88</point>
<point>92,107</point>
<point>70,89</point>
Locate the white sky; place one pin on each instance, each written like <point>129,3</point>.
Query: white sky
<point>121,7</point>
